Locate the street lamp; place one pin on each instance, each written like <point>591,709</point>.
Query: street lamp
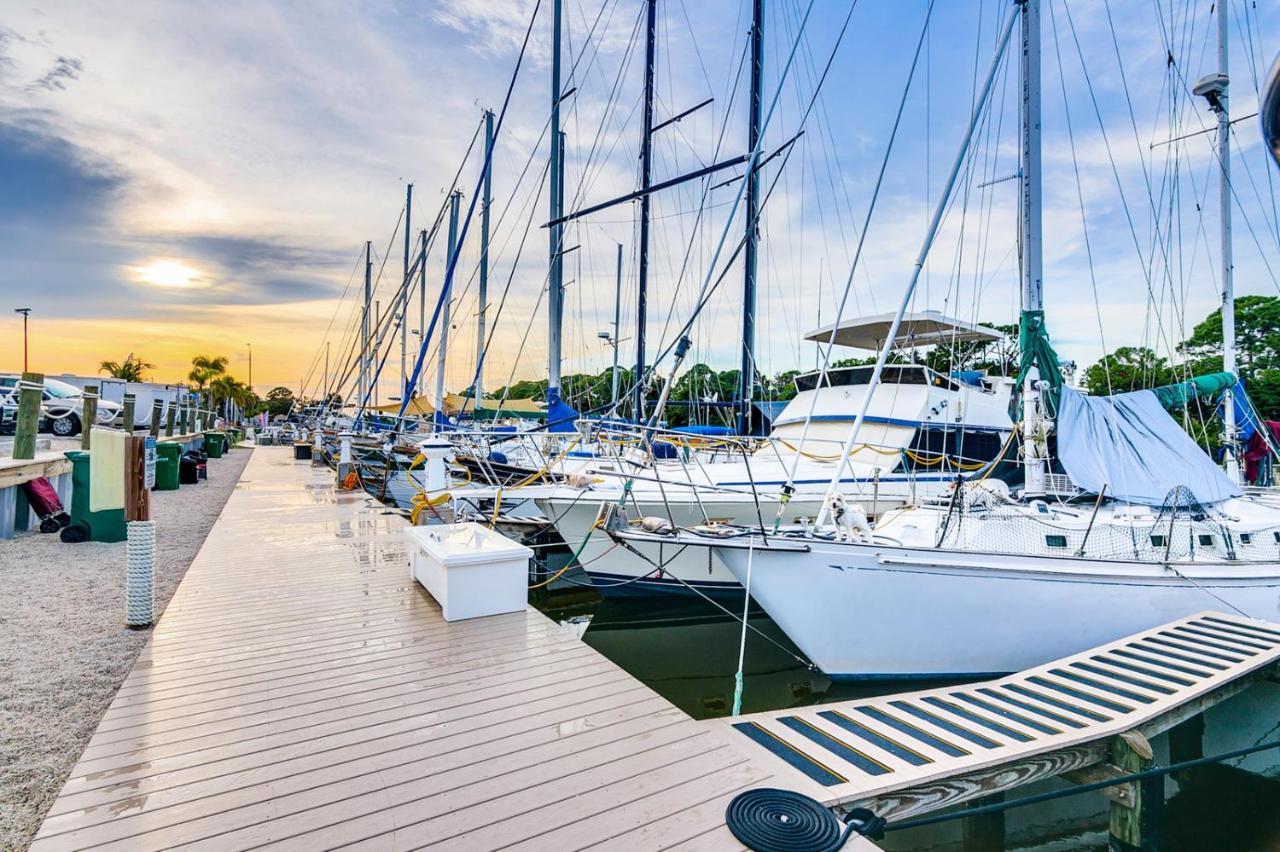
<point>26,312</point>
<point>250,345</point>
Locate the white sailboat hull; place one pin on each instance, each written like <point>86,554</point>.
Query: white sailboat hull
<point>870,612</point>
<point>645,568</point>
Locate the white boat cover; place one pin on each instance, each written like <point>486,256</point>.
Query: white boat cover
<point>1129,443</point>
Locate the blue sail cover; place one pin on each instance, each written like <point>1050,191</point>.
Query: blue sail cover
<point>1130,444</point>
<point>561,416</point>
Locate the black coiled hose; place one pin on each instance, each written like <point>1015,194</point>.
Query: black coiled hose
<point>769,820</point>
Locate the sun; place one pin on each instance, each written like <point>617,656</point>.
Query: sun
<point>170,274</point>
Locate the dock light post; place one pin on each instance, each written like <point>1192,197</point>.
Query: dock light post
<point>26,312</point>
<point>250,345</point>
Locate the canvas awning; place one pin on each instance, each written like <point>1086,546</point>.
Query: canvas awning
<point>923,328</point>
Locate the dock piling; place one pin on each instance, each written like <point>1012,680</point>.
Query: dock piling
<point>90,415</point>
<point>126,417</point>
<point>30,390</point>
<point>1137,827</point>
<point>171,417</point>
<point>157,409</point>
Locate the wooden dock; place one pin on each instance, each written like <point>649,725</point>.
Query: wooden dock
<point>300,692</point>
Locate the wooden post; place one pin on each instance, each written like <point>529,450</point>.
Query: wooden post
<point>183,430</point>
<point>157,406</point>
<point>127,422</point>
<point>171,417</point>
<point>90,415</point>
<point>137,497</point>
<point>30,393</point>
<point>984,832</point>
<point>1138,827</point>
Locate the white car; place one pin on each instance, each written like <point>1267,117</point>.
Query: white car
<point>61,407</point>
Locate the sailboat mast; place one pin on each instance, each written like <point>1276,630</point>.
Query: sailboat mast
<point>646,175</point>
<point>422,301</point>
<point>455,201</point>
<point>747,376</point>
<point>365,359</point>
<point>555,281</point>
<point>485,201</point>
<point>1032,258</point>
<point>404,294</point>
<point>617,321</point>
<point>1228,264</point>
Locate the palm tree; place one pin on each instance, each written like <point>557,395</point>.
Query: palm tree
<point>130,369</point>
<point>205,369</point>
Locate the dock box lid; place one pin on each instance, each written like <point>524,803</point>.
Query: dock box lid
<point>466,544</point>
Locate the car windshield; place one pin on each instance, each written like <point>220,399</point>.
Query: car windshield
<point>61,390</point>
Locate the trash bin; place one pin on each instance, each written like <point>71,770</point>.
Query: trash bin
<point>167,455</point>
<point>215,443</point>
<point>107,525</point>
<point>189,468</point>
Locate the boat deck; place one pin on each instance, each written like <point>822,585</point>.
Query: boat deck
<point>300,692</point>
<point>886,752</point>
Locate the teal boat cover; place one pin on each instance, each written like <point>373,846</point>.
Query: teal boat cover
<point>1130,445</point>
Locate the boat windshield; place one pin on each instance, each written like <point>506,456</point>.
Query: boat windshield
<point>894,374</point>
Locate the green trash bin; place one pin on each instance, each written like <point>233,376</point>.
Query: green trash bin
<point>214,444</point>
<point>107,525</point>
<point>167,455</point>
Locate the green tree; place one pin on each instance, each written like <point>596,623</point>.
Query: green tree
<point>279,400</point>
<point>205,369</point>
<point>131,369</point>
<point>1257,336</point>
<point>1129,368</point>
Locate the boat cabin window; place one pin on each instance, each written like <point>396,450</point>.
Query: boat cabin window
<point>1055,540</point>
<point>1158,541</point>
<point>1246,538</point>
<point>894,374</point>
<point>1206,541</point>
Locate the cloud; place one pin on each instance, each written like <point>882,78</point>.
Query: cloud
<point>65,69</point>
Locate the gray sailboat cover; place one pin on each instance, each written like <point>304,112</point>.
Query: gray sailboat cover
<point>1129,443</point>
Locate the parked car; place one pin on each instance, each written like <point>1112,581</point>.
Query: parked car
<point>61,407</point>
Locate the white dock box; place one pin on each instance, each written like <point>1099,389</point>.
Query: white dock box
<point>470,569</point>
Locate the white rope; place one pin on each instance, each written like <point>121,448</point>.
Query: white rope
<point>742,641</point>
<point>139,578</point>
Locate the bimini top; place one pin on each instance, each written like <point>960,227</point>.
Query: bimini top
<point>924,328</point>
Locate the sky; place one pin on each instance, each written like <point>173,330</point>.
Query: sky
<point>181,179</point>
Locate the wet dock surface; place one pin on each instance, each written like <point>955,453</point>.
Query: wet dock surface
<point>301,692</point>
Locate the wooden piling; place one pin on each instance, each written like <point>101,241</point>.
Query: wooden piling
<point>1137,827</point>
<point>183,430</point>
<point>157,406</point>
<point>28,423</point>
<point>90,415</point>
<point>170,418</point>
<point>127,422</point>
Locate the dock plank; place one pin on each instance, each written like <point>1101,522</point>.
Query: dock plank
<point>300,690</point>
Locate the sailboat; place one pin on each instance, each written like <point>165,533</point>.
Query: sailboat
<point>1118,523</point>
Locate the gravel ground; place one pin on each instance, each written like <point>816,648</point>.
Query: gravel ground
<point>64,649</point>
